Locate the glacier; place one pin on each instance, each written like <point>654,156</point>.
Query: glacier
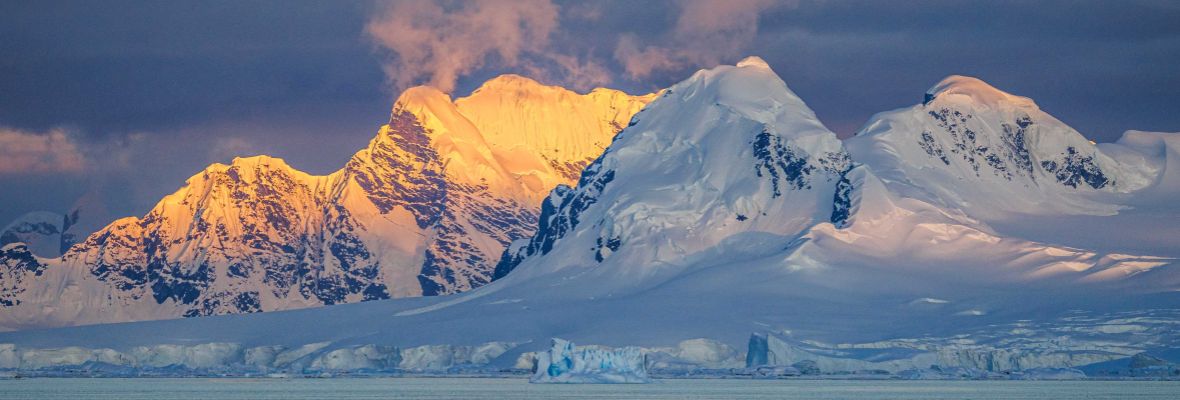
<point>727,231</point>
<point>566,363</point>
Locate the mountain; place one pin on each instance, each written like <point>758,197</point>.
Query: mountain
<point>41,231</point>
<point>49,234</point>
<point>425,209</point>
<point>972,146</point>
<point>948,188</point>
<point>728,151</point>
<point>754,206</point>
<point>726,223</point>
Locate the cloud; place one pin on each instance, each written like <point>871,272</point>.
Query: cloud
<point>585,11</point>
<point>49,152</point>
<point>706,33</point>
<point>438,42</point>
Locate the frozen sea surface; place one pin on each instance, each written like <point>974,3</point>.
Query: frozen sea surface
<point>485,388</point>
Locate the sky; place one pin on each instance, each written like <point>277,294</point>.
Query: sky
<point>118,102</point>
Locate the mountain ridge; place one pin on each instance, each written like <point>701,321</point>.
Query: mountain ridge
<point>424,209</point>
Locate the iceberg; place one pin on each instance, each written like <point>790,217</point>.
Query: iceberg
<point>565,363</point>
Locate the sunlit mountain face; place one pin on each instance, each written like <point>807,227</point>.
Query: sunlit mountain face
<point>426,209</point>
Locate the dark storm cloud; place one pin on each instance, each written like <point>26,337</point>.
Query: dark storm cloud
<point>141,65</point>
<point>151,92</point>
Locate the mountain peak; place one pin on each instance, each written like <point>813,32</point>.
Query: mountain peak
<point>418,98</point>
<point>752,89</point>
<point>512,88</point>
<point>259,160</point>
<point>511,81</point>
<point>974,90</point>
<point>753,61</point>
<point>531,120</point>
<point>244,170</point>
<point>728,142</point>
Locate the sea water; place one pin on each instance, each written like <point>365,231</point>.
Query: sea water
<point>499,388</point>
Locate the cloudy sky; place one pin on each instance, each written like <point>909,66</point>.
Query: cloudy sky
<point>122,101</point>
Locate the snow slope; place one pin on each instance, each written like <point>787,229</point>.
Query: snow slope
<point>726,209</point>
<point>425,209</point>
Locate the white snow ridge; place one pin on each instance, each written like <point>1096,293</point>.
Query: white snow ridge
<point>724,231</point>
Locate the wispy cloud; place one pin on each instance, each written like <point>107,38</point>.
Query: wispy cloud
<point>437,42</point>
<point>24,152</point>
<point>707,32</point>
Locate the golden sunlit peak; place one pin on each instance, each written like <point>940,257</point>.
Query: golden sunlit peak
<point>260,159</point>
<point>511,80</point>
<point>753,61</point>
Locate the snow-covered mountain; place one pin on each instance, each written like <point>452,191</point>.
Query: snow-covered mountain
<point>729,150</point>
<point>49,234</point>
<point>43,232</point>
<point>944,187</point>
<point>425,209</point>
<point>972,146</point>
<point>971,231</point>
<point>746,179</point>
